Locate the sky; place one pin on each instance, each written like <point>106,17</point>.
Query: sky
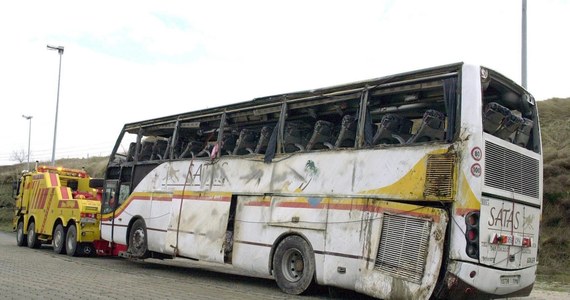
<point>126,61</point>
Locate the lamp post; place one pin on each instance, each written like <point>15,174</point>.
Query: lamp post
<point>29,118</point>
<point>523,51</point>
<point>60,51</point>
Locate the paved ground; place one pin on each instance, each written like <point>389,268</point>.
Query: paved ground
<point>40,274</point>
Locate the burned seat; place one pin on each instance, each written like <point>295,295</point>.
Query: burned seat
<point>347,134</point>
<point>493,116</point>
<point>393,129</point>
<point>146,150</point>
<point>431,129</point>
<point>207,150</point>
<point>296,136</point>
<point>523,133</point>
<point>264,136</point>
<point>131,152</point>
<point>246,142</point>
<point>322,137</point>
<point>228,142</point>
<point>159,149</point>
<point>509,126</point>
<point>192,149</point>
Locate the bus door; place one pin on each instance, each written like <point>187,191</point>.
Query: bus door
<point>113,227</point>
<point>108,206</point>
<point>198,226</point>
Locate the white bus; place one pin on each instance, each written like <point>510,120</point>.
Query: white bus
<point>415,185</point>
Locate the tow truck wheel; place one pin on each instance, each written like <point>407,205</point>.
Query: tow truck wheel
<point>59,239</point>
<point>88,250</point>
<point>71,241</point>
<point>21,238</point>
<point>137,240</point>
<point>33,241</point>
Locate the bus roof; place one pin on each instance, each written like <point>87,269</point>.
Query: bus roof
<point>443,70</point>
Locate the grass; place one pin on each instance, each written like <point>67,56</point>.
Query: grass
<point>6,219</point>
<point>552,280</point>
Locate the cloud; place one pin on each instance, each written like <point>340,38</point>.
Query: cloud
<point>128,61</point>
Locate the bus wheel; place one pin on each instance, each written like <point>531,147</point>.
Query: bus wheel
<point>59,239</point>
<point>294,265</point>
<point>33,241</point>
<point>137,240</point>
<point>20,235</point>
<point>71,241</point>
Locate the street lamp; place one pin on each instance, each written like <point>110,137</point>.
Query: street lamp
<point>60,51</point>
<point>29,118</point>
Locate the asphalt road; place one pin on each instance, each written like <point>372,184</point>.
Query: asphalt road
<point>41,274</point>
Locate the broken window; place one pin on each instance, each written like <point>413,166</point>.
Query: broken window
<point>411,108</point>
<point>509,113</point>
<point>411,113</point>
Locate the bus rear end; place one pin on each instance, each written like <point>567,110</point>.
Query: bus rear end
<point>494,236</point>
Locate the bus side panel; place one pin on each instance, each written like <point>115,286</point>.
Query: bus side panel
<point>350,232</point>
<point>158,221</point>
<point>198,228</point>
<point>405,263</point>
<point>253,239</point>
<point>257,230</point>
<point>137,205</point>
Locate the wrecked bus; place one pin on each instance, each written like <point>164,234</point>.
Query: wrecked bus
<point>415,185</point>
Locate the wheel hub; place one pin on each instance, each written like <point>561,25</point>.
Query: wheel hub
<point>293,265</point>
<point>298,265</point>
<point>138,239</point>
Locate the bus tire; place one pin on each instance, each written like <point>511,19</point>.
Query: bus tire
<point>58,240</point>
<point>138,240</point>
<point>21,237</point>
<point>294,265</point>
<point>33,241</point>
<point>71,241</point>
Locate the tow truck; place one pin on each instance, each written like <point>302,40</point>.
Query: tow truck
<point>60,206</point>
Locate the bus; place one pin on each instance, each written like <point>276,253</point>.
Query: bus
<point>423,184</point>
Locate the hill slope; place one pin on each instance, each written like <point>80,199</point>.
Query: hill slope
<point>554,240</point>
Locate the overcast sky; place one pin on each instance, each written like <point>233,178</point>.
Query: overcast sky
<point>126,61</point>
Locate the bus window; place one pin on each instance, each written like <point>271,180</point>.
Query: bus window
<point>126,149</point>
<point>411,113</point>
<point>124,193</point>
<point>109,198</point>
<point>249,131</point>
<point>508,115</point>
<point>325,123</point>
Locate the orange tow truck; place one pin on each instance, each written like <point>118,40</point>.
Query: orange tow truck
<point>61,206</point>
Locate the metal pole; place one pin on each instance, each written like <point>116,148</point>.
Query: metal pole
<point>523,40</point>
<point>60,51</point>
<point>29,118</point>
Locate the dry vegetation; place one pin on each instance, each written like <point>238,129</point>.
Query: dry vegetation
<point>554,247</point>
<point>554,255</point>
